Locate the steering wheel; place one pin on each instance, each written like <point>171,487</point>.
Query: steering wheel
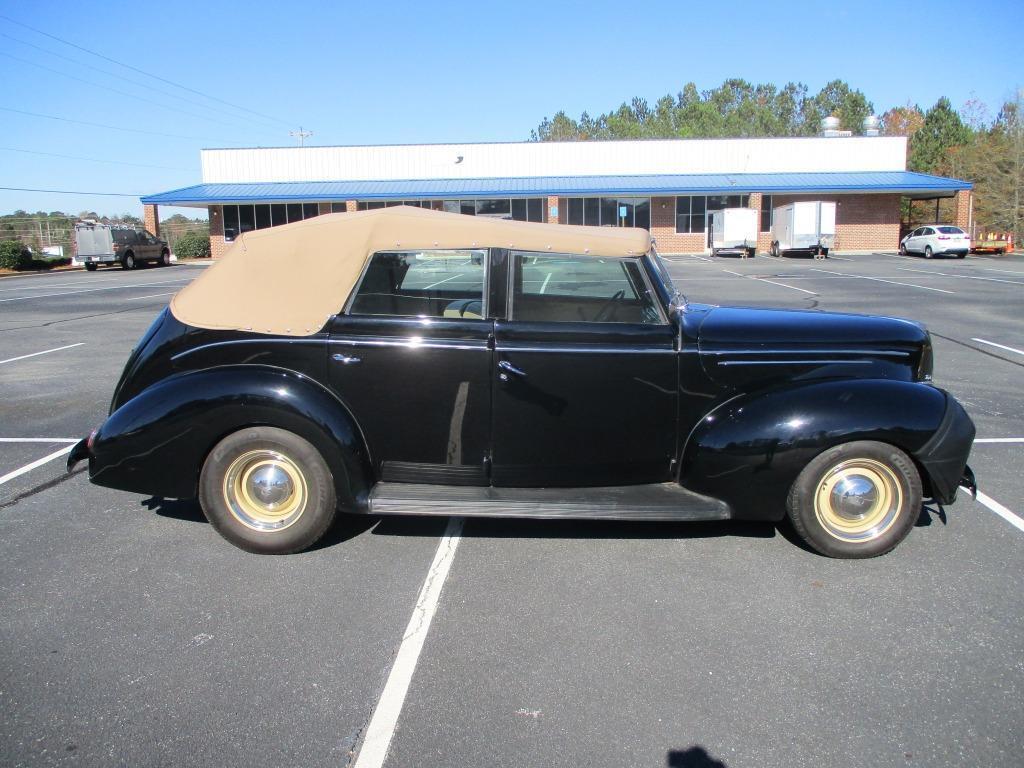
<point>608,306</point>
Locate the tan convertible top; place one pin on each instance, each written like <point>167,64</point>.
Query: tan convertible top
<point>290,279</point>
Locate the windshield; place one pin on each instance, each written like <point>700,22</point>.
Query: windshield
<point>676,298</point>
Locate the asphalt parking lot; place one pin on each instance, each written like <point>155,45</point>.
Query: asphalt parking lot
<point>133,635</point>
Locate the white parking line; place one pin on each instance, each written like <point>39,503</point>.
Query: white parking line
<point>94,290</point>
<point>37,463</point>
<point>999,440</point>
<point>439,282</point>
<point>151,296</point>
<point>1014,520</point>
<point>1005,271</point>
<point>44,352</point>
<point>1001,346</point>
<point>880,280</point>
<point>382,724</point>
<point>838,258</point>
<point>738,274</point>
<point>791,287</point>
<point>39,439</point>
<point>544,287</point>
<point>961,277</point>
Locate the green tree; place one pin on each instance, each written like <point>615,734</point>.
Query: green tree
<point>14,255</point>
<point>941,131</point>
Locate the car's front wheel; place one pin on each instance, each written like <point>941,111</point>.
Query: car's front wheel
<point>903,249</point>
<point>267,490</point>
<point>856,500</point>
<point>165,259</point>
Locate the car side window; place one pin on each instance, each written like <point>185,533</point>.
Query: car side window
<point>431,283</point>
<point>927,231</point>
<point>570,288</point>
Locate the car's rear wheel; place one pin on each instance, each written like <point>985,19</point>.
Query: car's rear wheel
<point>774,250</point>
<point>856,500</point>
<point>267,490</point>
<point>128,262</point>
<point>90,267</point>
<point>928,252</point>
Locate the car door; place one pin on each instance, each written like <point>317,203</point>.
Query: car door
<point>410,356</point>
<point>912,241</point>
<point>584,376</point>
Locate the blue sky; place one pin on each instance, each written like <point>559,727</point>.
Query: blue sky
<point>367,73</point>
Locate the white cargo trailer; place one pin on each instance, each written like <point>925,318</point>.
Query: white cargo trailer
<point>807,227</point>
<point>734,230</point>
<point>94,244</point>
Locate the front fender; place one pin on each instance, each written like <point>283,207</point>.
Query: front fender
<point>749,450</point>
<point>157,442</point>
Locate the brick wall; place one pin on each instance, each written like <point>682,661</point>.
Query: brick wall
<point>151,219</point>
<point>555,202</point>
<point>663,229</point>
<point>962,210</point>
<point>217,244</point>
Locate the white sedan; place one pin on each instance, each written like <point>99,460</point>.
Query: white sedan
<point>935,240</point>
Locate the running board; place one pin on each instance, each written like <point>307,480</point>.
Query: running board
<point>660,501</point>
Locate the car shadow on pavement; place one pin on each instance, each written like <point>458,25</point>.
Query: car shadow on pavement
<point>693,757</point>
<point>515,528</point>
<point>344,527</point>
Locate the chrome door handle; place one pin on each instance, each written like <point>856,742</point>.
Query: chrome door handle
<point>505,365</point>
<point>344,359</point>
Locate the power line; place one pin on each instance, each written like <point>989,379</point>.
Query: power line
<point>177,110</point>
<point>141,71</point>
<point>103,125</point>
<point>93,159</point>
<point>133,81</point>
<point>72,192</point>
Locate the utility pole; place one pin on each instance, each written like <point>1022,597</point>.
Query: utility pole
<point>301,135</point>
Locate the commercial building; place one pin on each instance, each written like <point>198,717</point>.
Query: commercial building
<point>667,186</point>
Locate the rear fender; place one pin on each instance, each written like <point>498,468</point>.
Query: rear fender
<point>156,442</point>
<point>750,449</point>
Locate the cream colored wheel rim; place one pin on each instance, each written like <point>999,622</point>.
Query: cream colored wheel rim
<point>265,490</point>
<point>858,500</point>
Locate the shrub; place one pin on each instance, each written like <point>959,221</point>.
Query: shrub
<point>14,255</point>
<point>192,245</point>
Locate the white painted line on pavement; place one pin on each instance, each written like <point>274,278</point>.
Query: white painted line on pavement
<point>1005,271</point>
<point>880,280</point>
<point>838,258</point>
<point>37,463</point>
<point>44,352</point>
<point>791,287</point>
<point>94,290</point>
<point>961,277</point>
<point>381,728</point>
<point>1014,520</point>
<point>1001,346</point>
<point>151,296</point>
<point>738,274</point>
<point>39,439</point>
<point>999,440</point>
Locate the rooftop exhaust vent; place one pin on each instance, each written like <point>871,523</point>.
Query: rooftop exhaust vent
<point>871,124</point>
<point>830,128</point>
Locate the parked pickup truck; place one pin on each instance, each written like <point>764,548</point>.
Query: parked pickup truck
<point>97,243</point>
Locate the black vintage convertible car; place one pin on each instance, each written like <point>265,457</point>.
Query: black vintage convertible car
<point>409,362</point>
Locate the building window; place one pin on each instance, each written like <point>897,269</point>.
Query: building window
<point>518,209</point>
<point>372,205</point>
<point>766,213</point>
<point>692,212</point>
<point>610,211</point>
<point>239,219</point>
<point>339,207</point>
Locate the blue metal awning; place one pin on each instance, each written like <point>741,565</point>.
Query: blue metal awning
<point>919,185</point>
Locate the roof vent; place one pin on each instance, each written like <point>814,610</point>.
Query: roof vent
<point>830,128</point>
<point>871,125</point>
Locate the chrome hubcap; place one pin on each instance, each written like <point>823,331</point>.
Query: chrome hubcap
<point>265,490</point>
<point>858,500</point>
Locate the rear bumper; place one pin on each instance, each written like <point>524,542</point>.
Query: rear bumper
<point>944,456</point>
